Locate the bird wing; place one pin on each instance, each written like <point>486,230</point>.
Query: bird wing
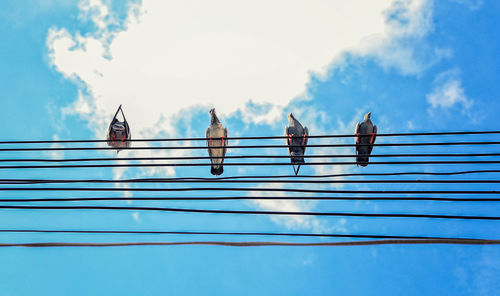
<point>374,134</point>
<point>287,138</point>
<point>356,132</point>
<point>356,138</point>
<point>224,144</point>
<point>306,134</point>
<point>207,135</point>
<point>374,131</point>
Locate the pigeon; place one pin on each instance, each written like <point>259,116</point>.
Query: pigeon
<point>216,136</point>
<point>119,132</point>
<point>296,139</point>
<point>366,133</point>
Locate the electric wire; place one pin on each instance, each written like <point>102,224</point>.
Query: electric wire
<point>260,181</point>
<point>183,189</point>
<point>249,146</point>
<point>243,212</point>
<point>243,157</point>
<point>256,244</point>
<point>245,164</point>
<point>253,137</point>
<point>226,198</point>
<point>279,234</point>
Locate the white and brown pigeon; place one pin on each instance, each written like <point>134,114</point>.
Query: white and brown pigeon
<point>296,139</point>
<point>365,133</point>
<point>216,136</point>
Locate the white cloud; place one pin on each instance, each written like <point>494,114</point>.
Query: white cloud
<point>169,55</point>
<point>448,92</point>
<point>403,46</point>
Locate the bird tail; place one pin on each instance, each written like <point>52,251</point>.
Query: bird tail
<point>217,170</point>
<point>298,160</point>
<point>362,161</point>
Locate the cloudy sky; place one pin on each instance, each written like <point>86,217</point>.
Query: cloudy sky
<point>417,65</point>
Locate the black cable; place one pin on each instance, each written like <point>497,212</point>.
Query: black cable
<point>292,234</point>
<point>251,138</point>
<point>343,197</point>
<point>256,244</point>
<point>312,176</point>
<point>166,180</point>
<point>250,189</point>
<point>246,146</point>
<point>318,176</point>
<point>341,175</point>
<point>243,164</point>
<point>242,212</point>
<point>261,181</point>
<point>243,157</point>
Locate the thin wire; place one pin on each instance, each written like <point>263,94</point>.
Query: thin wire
<point>250,138</point>
<point>245,146</point>
<point>320,176</point>
<point>257,244</point>
<point>250,189</point>
<point>292,234</point>
<point>261,181</point>
<point>243,164</point>
<point>166,180</point>
<point>243,157</point>
<point>240,212</point>
<point>343,197</point>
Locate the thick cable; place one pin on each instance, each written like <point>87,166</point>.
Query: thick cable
<point>242,212</point>
<point>256,244</point>
<point>291,234</point>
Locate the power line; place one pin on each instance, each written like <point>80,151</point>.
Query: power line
<point>312,176</point>
<point>243,157</point>
<point>245,164</point>
<point>250,138</point>
<point>241,212</point>
<point>250,189</point>
<point>177,179</point>
<point>291,234</point>
<point>247,146</point>
<point>219,198</point>
<point>261,181</point>
<point>257,244</point>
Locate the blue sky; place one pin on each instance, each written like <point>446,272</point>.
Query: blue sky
<point>417,65</point>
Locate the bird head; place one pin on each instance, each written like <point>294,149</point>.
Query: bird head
<point>290,117</point>
<point>368,115</point>
<point>213,116</point>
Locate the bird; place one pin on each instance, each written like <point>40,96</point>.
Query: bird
<point>119,135</point>
<point>365,133</point>
<point>216,136</point>
<point>296,140</point>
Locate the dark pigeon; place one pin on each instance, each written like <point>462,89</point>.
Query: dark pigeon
<point>119,132</point>
<point>366,133</point>
<point>296,139</point>
<point>216,136</point>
